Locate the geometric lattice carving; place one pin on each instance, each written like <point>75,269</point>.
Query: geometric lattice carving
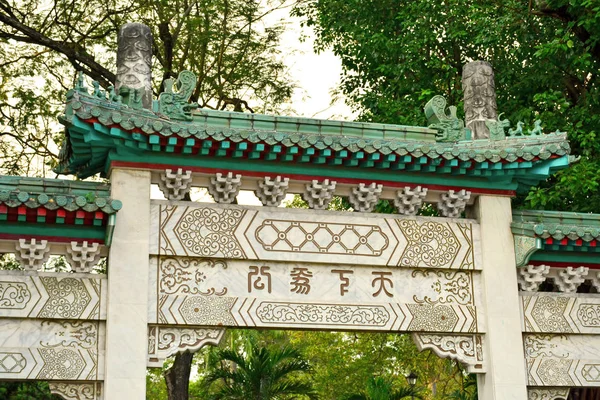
<point>547,393</point>
<point>223,189</point>
<point>466,349</point>
<point>165,341</point>
<point>175,185</point>
<point>409,201</point>
<point>318,195</point>
<point>532,276</point>
<point>84,257</point>
<point>271,192</point>
<point>76,390</point>
<point>364,198</point>
<point>569,279</point>
<point>452,204</point>
<point>31,254</point>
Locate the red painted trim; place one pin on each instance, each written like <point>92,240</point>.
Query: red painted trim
<point>566,264</point>
<point>154,166</point>
<point>55,239</point>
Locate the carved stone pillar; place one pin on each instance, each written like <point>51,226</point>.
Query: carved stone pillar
<point>134,64</point>
<point>506,377</point>
<point>479,97</point>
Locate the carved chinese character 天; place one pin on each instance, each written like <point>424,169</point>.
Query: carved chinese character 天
<point>255,278</point>
<point>381,279</point>
<point>300,280</point>
<point>345,281</point>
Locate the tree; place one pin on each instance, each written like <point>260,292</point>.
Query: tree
<point>260,373</point>
<point>42,45</point>
<point>381,389</point>
<point>397,54</point>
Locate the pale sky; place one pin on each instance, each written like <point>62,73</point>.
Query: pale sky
<point>315,74</point>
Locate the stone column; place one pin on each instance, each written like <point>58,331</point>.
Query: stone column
<point>479,97</point>
<point>506,377</point>
<point>134,61</point>
<point>127,305</point>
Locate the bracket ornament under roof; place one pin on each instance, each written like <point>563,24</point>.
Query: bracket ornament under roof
<point>532,276</point>
<point>364,198</point>
<point>525,246</point>
<point>224,188</point>
<point>466,349</point>
<point>452,203</point>
<point>164,341</point>
<point>409,201</point>
<point>84,257</point>
<point>271,192</point>
<point>32,254</point>
<point>319,194</point>
<point>569,279</point>
<point>175,185</point>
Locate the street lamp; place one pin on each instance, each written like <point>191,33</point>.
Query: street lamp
<point>412,381</point>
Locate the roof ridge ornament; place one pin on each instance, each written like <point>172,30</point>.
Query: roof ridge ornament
<point>450,128</point>
<point>175,104</point>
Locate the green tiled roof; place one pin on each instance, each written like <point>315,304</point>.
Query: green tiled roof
<point>556,225</point>
<point>62,210</point>
<point>54,193</point>
<point>101,130</point>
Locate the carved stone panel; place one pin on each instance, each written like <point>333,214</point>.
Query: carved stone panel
<point>164,341</point>
<point>51,349</point>
<point>466,349</point>
<point>77,390</point>
<point>562,360</point>
<point>25,294</point>
<point>212,292</point>
<point>547,393</point>
<point>560,313</point>
<point>240,232</point>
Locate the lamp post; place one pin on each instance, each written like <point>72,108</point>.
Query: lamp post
<point>412,381</point>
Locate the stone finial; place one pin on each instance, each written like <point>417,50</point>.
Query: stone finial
<point>319,194</point>
<point>175,185</point>
<point>452,203</point>
<point>479,97</point>
<point>134,65</point>
<point>271,192</point>
<point>224,188</point>
<point>364,198</point>
<point>408,201</point>
<point>32,254</point>
<point>84,257</point>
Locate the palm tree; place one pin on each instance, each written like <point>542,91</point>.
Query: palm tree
<point>260,373</point>
<point>381,389</point>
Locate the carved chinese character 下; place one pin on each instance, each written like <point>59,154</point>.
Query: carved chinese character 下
<point>344,279</point>
<point>300,280</point>
<point>382,280</point>
<point>255,278</point>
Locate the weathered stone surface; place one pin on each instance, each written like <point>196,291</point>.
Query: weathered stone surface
<point>479,97</point>
<point>51,349</point>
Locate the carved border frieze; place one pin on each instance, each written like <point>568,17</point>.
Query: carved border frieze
<point>25,294</point>
<point>255,233</point>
